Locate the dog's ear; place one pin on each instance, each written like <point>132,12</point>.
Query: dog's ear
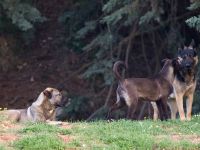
<point>47,93</point>
<point>164,60</point>
<point>185,47</point>
<point>176,62</point>
<point>192,44</point>
<point>195,52</point>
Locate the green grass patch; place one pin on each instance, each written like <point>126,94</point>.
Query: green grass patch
<point>121,134</point>
<point>2,147</point>
<point>40,142</point>
<point>43,127</point>
<point>41,136</point>
<point>126,134</point>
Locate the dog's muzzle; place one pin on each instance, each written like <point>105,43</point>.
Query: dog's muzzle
<point>61,103</point>
<point>187,63</point>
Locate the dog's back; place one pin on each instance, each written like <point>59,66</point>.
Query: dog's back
<point>17,115</point>
<point>150,88</point>
<point>156,88</point>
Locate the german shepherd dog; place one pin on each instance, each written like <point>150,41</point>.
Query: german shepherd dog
<point>156,88</point>
<point>184,83</point>
<point>42,110</point>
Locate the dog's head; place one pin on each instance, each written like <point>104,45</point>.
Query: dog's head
<point>54,96</point>
<point>170,68</point>
<point>175,63</point>
<point>188,57</point>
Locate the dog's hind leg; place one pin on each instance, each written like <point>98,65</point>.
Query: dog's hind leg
<point>173,107</point>
<point>160,109</point>
<point>14,115</point>
<point>189,106</point>
<point>119,104</point>
<point>131,109</point>
<point>164,107</point>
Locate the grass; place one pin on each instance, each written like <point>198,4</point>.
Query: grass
<point>41,141</point>
<point>2,147</point>
<point>121,134</point>
<point>41,136</point>
<point>146,134</point>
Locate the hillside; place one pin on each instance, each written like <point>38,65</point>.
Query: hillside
<point>121,134</point>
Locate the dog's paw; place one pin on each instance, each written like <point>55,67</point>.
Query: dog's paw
<point>54,122</point>
<point>110,120</point>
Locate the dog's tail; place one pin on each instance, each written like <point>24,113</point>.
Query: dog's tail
<point>116,69</point>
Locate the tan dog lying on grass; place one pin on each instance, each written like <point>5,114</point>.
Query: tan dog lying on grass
<point>42,110</point>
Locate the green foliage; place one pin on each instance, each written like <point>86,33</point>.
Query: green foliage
<point>79,26</point>
<point>79,21</point>
<point>194,22</point>
<point>89,26</point>
<point>105,26</point>
<point>77,109</point>
<point>100,68</point>
<point>117,27</point>
<point>21,14</point>
<point>150,15</point>
<point>112,4</point>
<point>79,17</point>
<point>194,5</point>
<point>116,16</point>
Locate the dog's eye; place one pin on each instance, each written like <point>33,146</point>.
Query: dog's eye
<point>58,94</point>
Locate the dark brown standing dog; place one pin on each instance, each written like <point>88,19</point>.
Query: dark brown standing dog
<point>156,89</point>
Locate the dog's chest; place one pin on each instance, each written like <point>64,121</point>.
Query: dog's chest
<point>49,113</point>
<point>182,88</point>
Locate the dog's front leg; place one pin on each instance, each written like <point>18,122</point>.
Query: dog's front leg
<point>179,101</point>
<point>53,115</point>
<point>173,107</point>
<point>189,105</point>
<point>39,117</point>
